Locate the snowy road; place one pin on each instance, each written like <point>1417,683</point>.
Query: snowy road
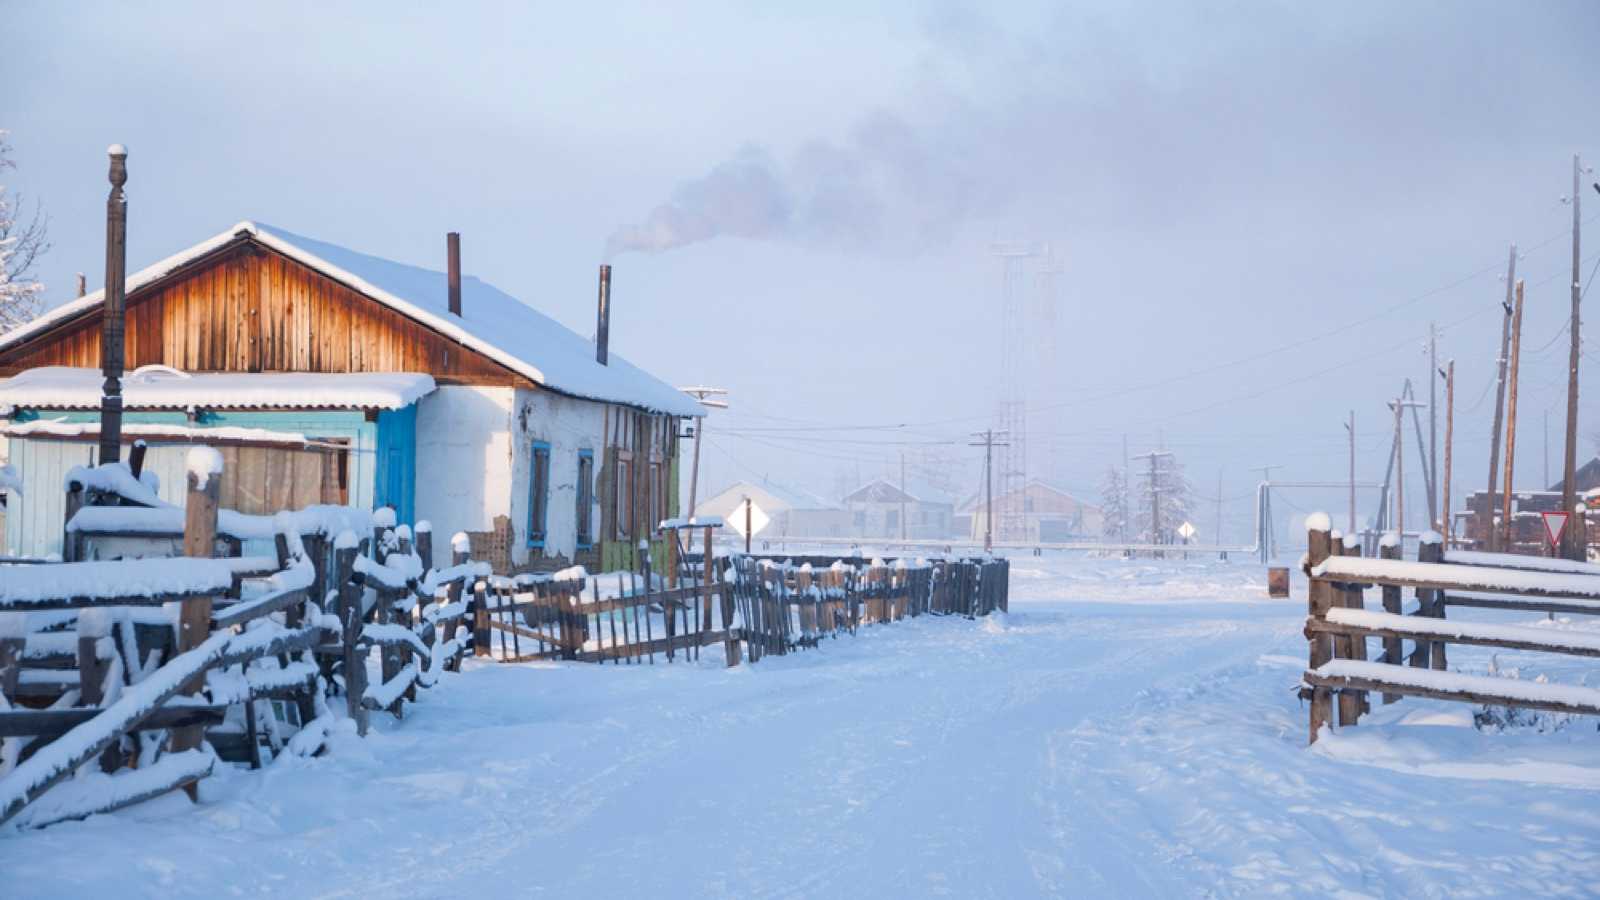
<point>1129,730</point>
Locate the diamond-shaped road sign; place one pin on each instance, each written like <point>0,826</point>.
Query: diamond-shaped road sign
<point>758,519</point>
<point>1554,524</point>
<point>1186,530</point>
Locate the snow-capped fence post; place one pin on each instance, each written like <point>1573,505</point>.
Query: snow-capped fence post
<point>1348,646</point>
<point>480,618</point>
<point>1319,599</point>
<point>1389,548</point>
<point>350,618</point>
<point>69,539</point>
<point>1430,549</point>
<point>204,478</point>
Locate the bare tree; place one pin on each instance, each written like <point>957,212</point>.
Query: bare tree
<point>22,241</point>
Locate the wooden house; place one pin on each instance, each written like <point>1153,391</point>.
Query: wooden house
<point>343,377</point>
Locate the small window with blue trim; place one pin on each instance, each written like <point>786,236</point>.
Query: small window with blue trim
<point>585,499</point>
<point>539,494</point>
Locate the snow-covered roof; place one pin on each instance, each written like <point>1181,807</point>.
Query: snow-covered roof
<point>158,433</point>
<point>492,322</point>
<point>158,387</point>
<point>771,497</point>
<point>879,491</point>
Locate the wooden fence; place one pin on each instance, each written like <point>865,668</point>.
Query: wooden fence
<point>92,668</point>
<point>1338,625</point>
<point>751,605</point>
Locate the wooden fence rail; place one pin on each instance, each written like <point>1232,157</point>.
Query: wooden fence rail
<point>1338,625</point>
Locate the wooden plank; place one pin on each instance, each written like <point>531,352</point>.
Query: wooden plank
<point>1554,644</point>
<point>1523,604</point>
<point>1480,697</point>
<point>56,722</point>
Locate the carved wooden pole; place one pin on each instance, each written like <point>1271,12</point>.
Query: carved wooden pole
<point>111,347</point>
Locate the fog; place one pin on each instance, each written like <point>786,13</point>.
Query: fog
<point>1257,210</point>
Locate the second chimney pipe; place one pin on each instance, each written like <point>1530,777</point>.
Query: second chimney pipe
<point>452,242</point>
<point>602,328</point>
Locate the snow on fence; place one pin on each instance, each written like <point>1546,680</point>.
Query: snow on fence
<point>123,680</point>
<point>752,605</point>
<point>1338,625</point>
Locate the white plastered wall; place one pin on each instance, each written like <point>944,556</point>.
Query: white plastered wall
<point>465,457</point>
<point>567,425</point>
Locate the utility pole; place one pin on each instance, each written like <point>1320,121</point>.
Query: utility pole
<point>1264,513</point>
<point>707,397</point>
<point>1485,517</point>
<point>1350,427</point>
<point>1574,544</point>
<point>1449,437</point>
<point>1433,425</point>
<point>1546,479</point>
<point>902,495</point>
<point>987,440</point>
<point>1511,423</point>
<point>1156,489</point>
<point>1400,404</point>
<point>113,311</point>
<point>1217,539</point>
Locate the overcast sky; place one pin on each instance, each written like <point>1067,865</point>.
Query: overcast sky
<point>1258,210</point>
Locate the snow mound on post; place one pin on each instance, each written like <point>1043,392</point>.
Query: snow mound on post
<point>346,540</point>
<point>383,517</point>
<point>1389,539</point>
<point>202,463</point>
<point>460,543</point>
<point>1431,537</point>
<point>423,525</point>
<point>1319,521</point>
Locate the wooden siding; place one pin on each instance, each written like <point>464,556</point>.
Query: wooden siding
<point>248,308</point>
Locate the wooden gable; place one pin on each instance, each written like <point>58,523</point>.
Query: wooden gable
<point>248,308</point>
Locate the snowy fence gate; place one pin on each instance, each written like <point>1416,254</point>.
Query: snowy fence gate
<point>149,686</point>
<point>1338,625</point>
<point>627,618</point>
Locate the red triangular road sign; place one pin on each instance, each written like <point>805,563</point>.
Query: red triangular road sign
<point>1554,524</point>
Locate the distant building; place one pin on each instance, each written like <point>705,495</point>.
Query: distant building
<point>776,511</point>
<point>876,511</point>
<point>1050,515</point>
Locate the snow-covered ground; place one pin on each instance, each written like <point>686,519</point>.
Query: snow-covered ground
<point>1130,729</point>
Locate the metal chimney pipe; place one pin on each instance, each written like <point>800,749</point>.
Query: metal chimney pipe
<point>602,329</point>
<point>452,242</point>
<point>111,317</point>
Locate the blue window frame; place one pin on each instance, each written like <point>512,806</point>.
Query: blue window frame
<point>539,494</point>
<point>585,494</point>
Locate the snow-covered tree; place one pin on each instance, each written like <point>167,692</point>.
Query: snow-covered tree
<point>22,242</point>
<point>1174,495</point>
<point>1113,500</point>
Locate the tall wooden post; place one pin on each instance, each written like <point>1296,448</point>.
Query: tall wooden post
<point>747,518</point>
<point>199,540</point>
<point>1352,429</point>
<point>1574,545</point>
<point>1486,514</point>
<point>1508,535</point>
<point>111,321</point>
<point>1449,440</point>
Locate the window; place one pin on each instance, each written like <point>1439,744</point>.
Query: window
<point>539,494</point>
<point>622,496</point>
<point>585,499</point>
